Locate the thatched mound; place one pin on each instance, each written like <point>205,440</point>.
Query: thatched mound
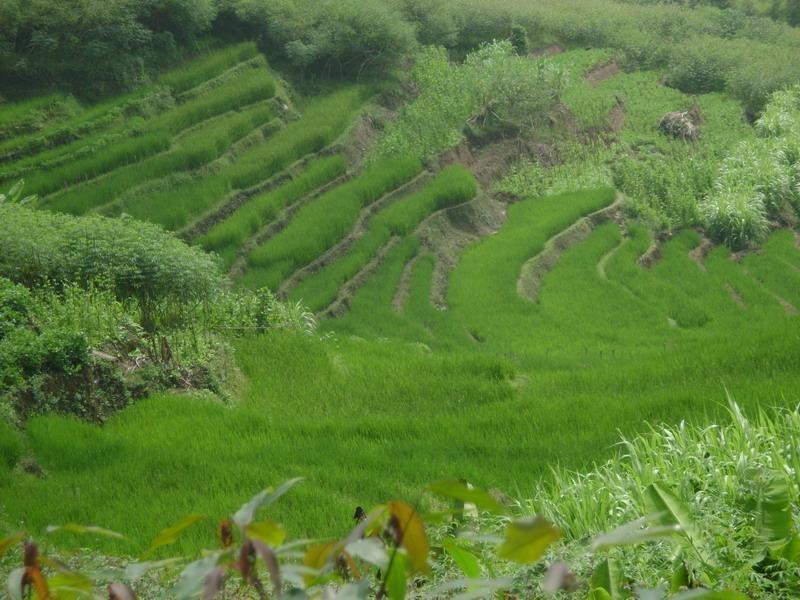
<point>682,125</point>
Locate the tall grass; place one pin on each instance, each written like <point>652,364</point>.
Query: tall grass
<point>452,186</point>
<point>195,72</point>
<point>226,237</point>
<point>32,114</point>
<point>100,116</point>
<point>194,149</point>
<point>322,223</point>
<point>722,472</point>
<point>158,134</point>
<point>175,201</point>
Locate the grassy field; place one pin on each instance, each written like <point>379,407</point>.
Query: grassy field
<point>498,388</point>
<point>600,351</point>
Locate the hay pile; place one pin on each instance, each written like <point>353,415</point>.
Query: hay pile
<point>682,125</point>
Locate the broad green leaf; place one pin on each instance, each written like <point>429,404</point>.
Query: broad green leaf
<point>370,550</point>
<point>527,539</point>
<point>708,595</point>
<point>135,571</point>
<point>608,577</point>
<point>680,577</point>
<point>7,543</point>
<point>192,579</point>
<point>266,531</point>
<point>667,509</point>
<point>775,516</point>
<point>70,584</point>
<point>14,583</point>
<point>396,581</point>
<point>171,534</point>
<point>461,491</point>
<point>247,513</point>
<point>317,556</point>
<point>412,535</point>
<point>353,591</point>
<point>632,533</point>
<point>466,561</point>
<point>84,529</point>
<point>599,594</point>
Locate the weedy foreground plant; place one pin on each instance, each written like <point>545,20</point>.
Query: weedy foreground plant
<point>685,512</point>
<point>387,554</point>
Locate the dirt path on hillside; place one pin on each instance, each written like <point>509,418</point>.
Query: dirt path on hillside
<point>699,253</point>
<point>404,287</point>
<point>535,269</point>
<point>604,260</point>
<point>600,73</point>
<point>735,296</point>
<point>358,230</point>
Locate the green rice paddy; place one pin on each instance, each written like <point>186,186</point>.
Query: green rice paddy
<point>495,387</point>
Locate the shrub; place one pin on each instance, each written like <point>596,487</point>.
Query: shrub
<point>737,217</point>
<point>337,36</point>
<point>493,90</point>
<point>136,260</point>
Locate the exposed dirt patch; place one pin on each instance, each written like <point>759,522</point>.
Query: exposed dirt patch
<point>735,295</point>
<point>699,254</point>
<point>491,161</point>
<point>546,51</point>
<point>602,72</point>
<point>534,270</point>
<point>364,134</point>
<point>651,256</point>
<point>447,233</point>
<point>616,118</point>
<point>357,231</point>
<point>404,287</point>
<point>342,303</point>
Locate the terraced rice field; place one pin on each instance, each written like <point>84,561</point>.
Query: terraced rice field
<point>459,318</point>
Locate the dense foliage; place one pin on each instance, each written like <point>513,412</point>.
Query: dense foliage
<point>95,47</point>
<point>96,312</point>
<point>760,180</point>
<point>733,484</point>
<point>99,49</point>
<point>494,90</point>
<point>135,260</point>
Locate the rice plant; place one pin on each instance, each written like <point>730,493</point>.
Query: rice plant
<point>175,201</point>
<point>452,186</point>
<point>197,147</point>
<point>226,237</point>
<point>203,68</point>
<point>324,222</point>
